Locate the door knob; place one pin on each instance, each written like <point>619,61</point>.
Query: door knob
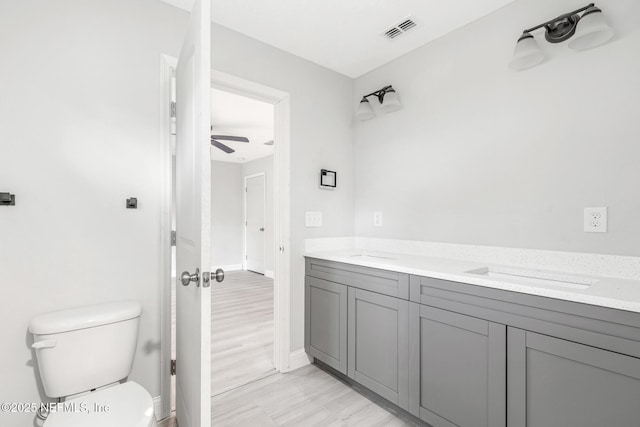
<point>187,278</point>
<point>261,228</point>
<point>218,275</point>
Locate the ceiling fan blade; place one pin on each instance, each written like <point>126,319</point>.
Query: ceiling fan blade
<point>221,146</point>
<point>230,138</point>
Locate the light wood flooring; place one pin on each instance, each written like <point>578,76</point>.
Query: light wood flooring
<point>241,330</point>
<point>306,397</point>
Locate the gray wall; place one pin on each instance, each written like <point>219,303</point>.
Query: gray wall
<point>265,165</point>
<point>227,212</point>
<point>321,137</point>
<point>483,155</point>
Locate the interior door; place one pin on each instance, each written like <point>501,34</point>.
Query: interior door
<point>193,171</point>
<point>255,206</point>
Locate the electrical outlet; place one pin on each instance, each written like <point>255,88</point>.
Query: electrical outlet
<point>313,219</point>
<point>377,219</point>
<point>595,220</point>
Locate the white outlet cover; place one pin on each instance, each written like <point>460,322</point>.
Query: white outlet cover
<point>313,219</point>
<point>377,219</point>
<point>595,220</point>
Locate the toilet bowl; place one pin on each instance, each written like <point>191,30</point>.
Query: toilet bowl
<point>85,355</point>
<point>126,405</point>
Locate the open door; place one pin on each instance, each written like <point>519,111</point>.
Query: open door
<point>255,222</point>
<point>193,206</point>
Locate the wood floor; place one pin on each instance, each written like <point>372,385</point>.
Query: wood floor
<point>306,397</point>
<point>241,330</point>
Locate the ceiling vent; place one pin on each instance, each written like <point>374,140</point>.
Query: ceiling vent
<point>400,28</point>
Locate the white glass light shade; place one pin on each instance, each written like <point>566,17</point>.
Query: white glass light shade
<point>526,54</point>
<point>365,111</point>
<point>391,102</point>
<point>592,31</point>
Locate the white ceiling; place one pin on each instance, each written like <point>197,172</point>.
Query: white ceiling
<point>345,35</point>
<point>238,115</point>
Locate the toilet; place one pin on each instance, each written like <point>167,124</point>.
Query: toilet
<point>85,355</point>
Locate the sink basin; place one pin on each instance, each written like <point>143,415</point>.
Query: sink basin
<point>372,257</point>
<point>535,277</point>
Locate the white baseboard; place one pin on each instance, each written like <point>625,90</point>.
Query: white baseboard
<point>269,274</point>
<point>157,406</point>
<point>230,267</point>
<point>298,359</point>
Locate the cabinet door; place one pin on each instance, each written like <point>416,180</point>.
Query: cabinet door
<point>326,322</point>
<point>554,382</point>
<point>457,374</point>
<point>379,344</point>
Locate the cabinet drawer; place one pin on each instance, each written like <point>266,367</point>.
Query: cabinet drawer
<point>370,279</point>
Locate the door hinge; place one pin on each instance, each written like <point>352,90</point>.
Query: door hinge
<point>173,366</point>
<point>173,238</point>
<point>172,108</point>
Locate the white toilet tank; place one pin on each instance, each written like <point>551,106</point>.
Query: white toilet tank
<point>85,348</point>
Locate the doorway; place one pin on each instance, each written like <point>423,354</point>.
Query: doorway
<point>242,307</point>
<point>278,186</point>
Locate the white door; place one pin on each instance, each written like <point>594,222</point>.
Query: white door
<point>255,201</point>
<point>193,171</point>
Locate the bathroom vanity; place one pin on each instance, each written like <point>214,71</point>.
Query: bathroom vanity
<point>488,349</point>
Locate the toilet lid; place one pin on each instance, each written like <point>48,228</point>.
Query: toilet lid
<point>126,404</point>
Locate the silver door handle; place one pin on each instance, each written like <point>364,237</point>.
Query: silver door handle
<point>187,278</point>
<point>218,275</point>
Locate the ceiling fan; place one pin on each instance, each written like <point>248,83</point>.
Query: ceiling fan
<point>215,141</point>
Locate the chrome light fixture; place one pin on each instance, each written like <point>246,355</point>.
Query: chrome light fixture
<point>388,99</point>
<point>588,30</point>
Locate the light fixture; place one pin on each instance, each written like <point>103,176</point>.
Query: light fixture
<point>365,110</point>
<point>527,53</point>
<point>593,30</point>
<point>388,99</point>
<point>589,30</point>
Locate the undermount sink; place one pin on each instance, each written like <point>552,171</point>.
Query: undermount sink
<point>372,257</point>
<point>535,277</point>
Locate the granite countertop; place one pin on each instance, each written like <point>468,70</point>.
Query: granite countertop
<point>611,292</point>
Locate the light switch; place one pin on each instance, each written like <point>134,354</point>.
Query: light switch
<point>313,219</point>
<point>377,219</point>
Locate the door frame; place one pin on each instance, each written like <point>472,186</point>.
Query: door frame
<point>264,208</point>
<point>281,205</point>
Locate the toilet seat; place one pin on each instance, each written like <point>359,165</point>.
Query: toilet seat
<point>130,405</point>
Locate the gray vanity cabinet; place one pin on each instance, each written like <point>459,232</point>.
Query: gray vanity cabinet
<point>458,369</point>
<point>449,352</point>
<point>378,344</point>
<point>555,382</point>
<point>326,322</point>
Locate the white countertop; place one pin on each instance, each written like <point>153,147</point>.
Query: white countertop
<point>622,294</point>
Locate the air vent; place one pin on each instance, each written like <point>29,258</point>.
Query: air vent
<point>407,25</point>
<point>393,33</point>
<point>400,28</point>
